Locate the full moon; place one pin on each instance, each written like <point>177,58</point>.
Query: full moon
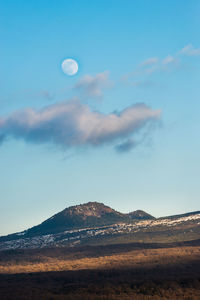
<point>69,66</point>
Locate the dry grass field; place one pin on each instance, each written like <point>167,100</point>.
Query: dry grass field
<point>133,258</point>
<point>102,273</point>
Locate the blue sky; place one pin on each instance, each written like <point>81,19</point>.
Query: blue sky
<point>123,131</point>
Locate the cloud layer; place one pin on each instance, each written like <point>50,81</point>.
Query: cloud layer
<point>69,124</point>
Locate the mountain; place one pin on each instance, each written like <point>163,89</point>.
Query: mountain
<point>88,215</point>
<point>91,214</point>
<point>140,215</point>
<point>96,223</point>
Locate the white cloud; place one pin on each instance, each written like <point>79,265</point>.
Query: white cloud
<point>142,73</point>
<point>190,50</point>
<point>169,60</point>
<point>170,63</point>
<point>149,61</point>
<point>69,124</point>
<point>92,86</point>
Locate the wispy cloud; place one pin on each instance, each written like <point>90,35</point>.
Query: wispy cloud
<point>146,67</point>
<point>72,124</point>
<point>141,75</point>
<point>169,60</point>
<point>149,61</point>
<point>190,50</point>
<point>126,146</point>
<point>169,63</point>
<point>93,86</point>
<point>143,138</point>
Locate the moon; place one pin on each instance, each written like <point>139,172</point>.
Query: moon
<point>69,66</point>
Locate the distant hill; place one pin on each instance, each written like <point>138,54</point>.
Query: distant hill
<point>88,215</point>
<point>94,223</point>
<point>91,214</point>
<point>181,215</point>
<point>140,215</point>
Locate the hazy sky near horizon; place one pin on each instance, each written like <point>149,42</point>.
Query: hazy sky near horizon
<point>123,131</point>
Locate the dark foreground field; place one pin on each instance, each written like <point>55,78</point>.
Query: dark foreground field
<point>103,273</point>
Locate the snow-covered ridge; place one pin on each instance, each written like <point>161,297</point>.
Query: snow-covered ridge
<point>73,237</point>
<point>171,222</point>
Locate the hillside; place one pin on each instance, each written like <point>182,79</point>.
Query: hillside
<point>94,223</point>
<point>140,215</point>
<point>112,272</point>
<point>88,215</point>
<point>91,214</point>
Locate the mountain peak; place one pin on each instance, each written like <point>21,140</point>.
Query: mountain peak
<point>90,209</point>
<point>78,217</point>
<point>140,214</point>
<point>89,214</point>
